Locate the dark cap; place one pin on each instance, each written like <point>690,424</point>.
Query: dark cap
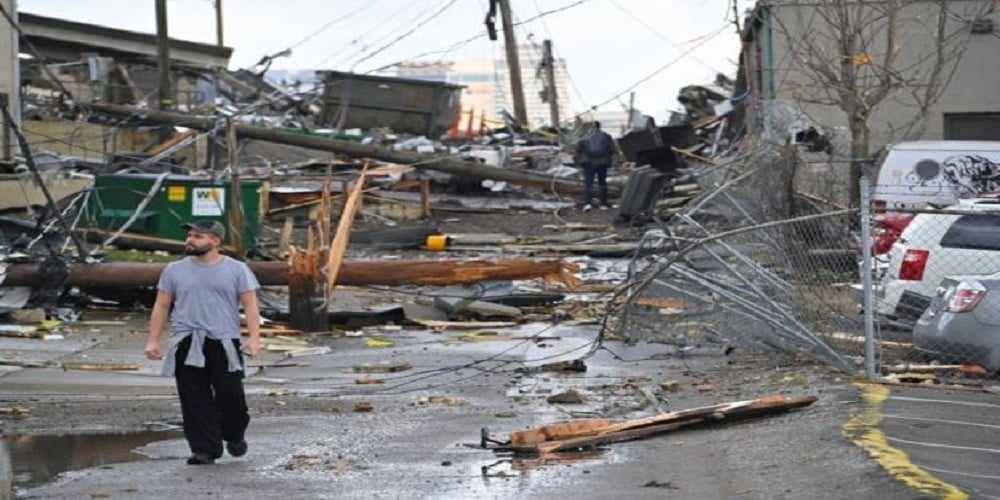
<point>206,226</point>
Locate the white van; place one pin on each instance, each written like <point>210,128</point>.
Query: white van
<point>916,174</point>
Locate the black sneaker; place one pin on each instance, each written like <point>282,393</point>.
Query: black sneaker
<point>200,459</point>
<point>237,449</point>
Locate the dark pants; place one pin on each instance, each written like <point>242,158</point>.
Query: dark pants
<point>212,400</point>
<point>590,171</point>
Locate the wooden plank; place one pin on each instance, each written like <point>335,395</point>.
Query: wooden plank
<point>613,437</point>
<point>270,332</point>
<point>858,339</point>
<point>171,142</point>
<point>908,368</point>
<point>462,325</point>
<point>425,198</point>
<point>559,431</point>
<point>632,429</point>
<point>286,236</point>
<point>338,247</point>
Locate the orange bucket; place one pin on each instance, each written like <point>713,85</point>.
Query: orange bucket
<point>438,242</point>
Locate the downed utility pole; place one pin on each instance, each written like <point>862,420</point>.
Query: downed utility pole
<point>417,272</point>
<point>446,164</point>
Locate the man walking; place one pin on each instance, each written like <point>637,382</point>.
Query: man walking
<point>206,289</point>
<point>594,154</point>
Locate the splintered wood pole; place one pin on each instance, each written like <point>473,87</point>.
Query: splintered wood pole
<point>338,247</point>
<point>302,298</point>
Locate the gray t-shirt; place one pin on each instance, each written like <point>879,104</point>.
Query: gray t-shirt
<point>207,297</point>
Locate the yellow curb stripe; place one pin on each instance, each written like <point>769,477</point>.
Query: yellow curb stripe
<point>863,430</point>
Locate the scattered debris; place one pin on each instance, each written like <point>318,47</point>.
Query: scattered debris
<point>570,397</point>
<point>16,411</point>
<point>576,366</point>
<point>443,400</point>
<point>378,343</point>
<point>671,386</point>
<point>383,367</point>
<point>98,366</point>
<point>657,484</point>
<point>704,387</point>
<point>28,316</point>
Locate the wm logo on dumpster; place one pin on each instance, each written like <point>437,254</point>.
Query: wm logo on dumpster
<point>207,201</point>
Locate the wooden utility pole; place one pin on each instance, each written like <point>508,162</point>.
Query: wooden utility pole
<point>236,220</point>
<point>163,62</point>
<point>218,23</point>
<point>513,63</point>
<point>550,78</point>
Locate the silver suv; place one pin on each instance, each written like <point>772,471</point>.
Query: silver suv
<point>960,239</point>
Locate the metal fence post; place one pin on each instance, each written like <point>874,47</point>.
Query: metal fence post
<point>866,278</point>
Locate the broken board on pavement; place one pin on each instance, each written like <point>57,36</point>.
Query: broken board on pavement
<point>594,432</point>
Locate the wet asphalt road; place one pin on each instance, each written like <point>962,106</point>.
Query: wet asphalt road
<point>954,435</point>
<point>411,447</point>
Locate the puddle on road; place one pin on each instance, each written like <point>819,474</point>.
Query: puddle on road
<point>517,466</point>
<point>38,459</point>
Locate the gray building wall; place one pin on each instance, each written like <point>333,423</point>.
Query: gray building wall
<point>10,74</point>
<point>969,76</point>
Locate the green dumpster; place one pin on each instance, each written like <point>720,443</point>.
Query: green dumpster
<point>180,198</point>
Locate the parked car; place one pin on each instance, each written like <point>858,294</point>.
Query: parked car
<point>963,321</point>
<point>887,229</point>
<point>955,240</point>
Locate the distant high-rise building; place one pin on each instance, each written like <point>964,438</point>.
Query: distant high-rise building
<point>487,86</point>
<point>533,81</point>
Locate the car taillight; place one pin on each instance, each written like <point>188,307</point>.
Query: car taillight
<point>965,297</point>
<point>879,206</point>
<point>914,262</point>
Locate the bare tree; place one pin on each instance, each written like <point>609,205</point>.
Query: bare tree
<point>848,54</point>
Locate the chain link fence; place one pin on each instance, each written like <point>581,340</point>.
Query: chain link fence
<point>748,264</point>
<point>937,286</point>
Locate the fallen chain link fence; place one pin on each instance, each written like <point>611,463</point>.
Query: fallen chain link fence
<point>745,265</point>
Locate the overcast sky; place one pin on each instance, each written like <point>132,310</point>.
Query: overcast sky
<point>609,45</point>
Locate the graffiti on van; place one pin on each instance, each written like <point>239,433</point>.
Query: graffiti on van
<point>925,174</point>
<point>971,174</point>
<point>963,174</point>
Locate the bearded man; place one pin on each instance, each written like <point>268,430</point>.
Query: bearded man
<point>205,290</point>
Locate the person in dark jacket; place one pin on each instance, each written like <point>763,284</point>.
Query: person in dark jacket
<point>594,154</point>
